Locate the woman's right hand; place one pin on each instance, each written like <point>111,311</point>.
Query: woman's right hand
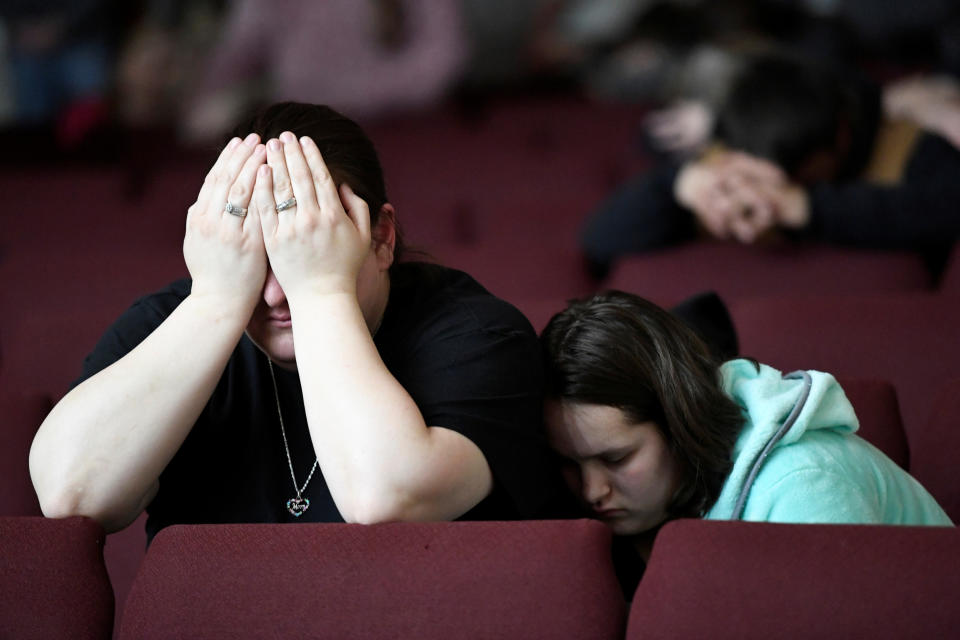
<point>224,252</point>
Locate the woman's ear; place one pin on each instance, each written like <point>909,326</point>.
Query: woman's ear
<point>384,236</point>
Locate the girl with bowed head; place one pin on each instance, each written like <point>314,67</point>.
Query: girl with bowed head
<point>651,428</point>
<point>302,373</point>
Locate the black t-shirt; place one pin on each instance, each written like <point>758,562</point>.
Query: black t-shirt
<point>469,360</point>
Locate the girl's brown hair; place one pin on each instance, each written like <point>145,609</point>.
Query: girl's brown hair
<point>619,350</point>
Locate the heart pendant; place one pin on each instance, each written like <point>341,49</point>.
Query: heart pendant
<point>297,506</point>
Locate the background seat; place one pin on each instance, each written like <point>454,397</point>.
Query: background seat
<point>709,579</point>
<point>534,579</point>
<point>736,271</point>
<point>908,339</point>
<point>875,402</point>
<point>935,449</point>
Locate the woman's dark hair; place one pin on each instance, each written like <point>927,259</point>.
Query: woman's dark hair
<point>619,350</point>
<point>347,151</point>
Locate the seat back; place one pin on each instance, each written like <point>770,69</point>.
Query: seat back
<point>709,579</point>
<point>531,579</point>
<point>53,583</point>
<point>875,402</point>
<point>736,271</point>
<point>908,339</point>
<point>936,449</point>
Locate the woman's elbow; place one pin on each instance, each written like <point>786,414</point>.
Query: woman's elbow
<point>406,506</point>
<point>374,509</point>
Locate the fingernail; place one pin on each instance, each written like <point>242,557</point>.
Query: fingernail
<point>274,144</point>
<point>250,140</point>
<point>233,143</point>
<point>286,136</point>
<point>259,149</point>
<point>306,140</point>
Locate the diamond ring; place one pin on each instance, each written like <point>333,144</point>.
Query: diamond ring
<point>287,204</point>
<point>235,210</point>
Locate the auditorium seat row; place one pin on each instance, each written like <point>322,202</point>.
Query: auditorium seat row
<point>532,579</point>
<point>502,197</point>
<point>931,458</point>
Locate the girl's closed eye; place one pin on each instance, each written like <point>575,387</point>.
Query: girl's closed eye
<point>617,458</point>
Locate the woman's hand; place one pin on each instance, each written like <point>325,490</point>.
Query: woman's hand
<point>224,251</point>
<point>319,244</point>
<point>733,194</point>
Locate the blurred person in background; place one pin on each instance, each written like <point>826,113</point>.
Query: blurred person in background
<point>805,152</point>
<point>61,63</point>
<point>158,63</point>
<point>368,59</point>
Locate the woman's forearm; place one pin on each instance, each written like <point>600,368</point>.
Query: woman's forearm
<point>380,459</point>
<point>101,450</point>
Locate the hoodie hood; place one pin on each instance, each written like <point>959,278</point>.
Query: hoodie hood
<point>779,409</point>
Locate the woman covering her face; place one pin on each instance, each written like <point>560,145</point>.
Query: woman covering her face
<point>303,373</point>
<point>652,428</point>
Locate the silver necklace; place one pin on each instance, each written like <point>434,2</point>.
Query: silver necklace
<point>298,504</point>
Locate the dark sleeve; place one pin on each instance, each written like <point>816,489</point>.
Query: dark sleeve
<point>640,216</point>
<point>478,372</point>
<point>132,327</point>
<point>921,213</point>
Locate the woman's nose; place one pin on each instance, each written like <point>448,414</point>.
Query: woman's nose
<point>273,294</point>
<point>595,485</point>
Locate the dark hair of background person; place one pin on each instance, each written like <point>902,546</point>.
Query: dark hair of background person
<point>617,349</point>
<point>786,109</point>
<point>347,151</point>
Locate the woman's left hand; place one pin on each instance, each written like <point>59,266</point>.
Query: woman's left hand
<point>319,244</point>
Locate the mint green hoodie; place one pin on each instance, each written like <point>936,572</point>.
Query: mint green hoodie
<point>799,460</point>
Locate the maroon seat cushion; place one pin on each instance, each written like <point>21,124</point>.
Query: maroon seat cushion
<point>533,579</point>
<point>53,583</point>
<point>735,271</point>
<point>22,414</point>
<point>709,579</point>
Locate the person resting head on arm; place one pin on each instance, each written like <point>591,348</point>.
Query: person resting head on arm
<point>800,152</point>
<point>303,373</point>
<point>651,428</point>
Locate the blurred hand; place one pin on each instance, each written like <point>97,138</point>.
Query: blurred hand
<point>319,245</point>
<point>735,195</point>
<point>224,252</point>
<point>931,103</point>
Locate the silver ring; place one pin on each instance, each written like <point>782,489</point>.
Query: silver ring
<point>287,204</point>
<point>235,210</point>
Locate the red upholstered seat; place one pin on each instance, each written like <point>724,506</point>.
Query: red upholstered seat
<point>710,579</point>
<point>875,402</point>
<point>21,414</point>
<point>735,271</point>
<point>533,579</point>
<point>53,583</point>
<point>935,449</point>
